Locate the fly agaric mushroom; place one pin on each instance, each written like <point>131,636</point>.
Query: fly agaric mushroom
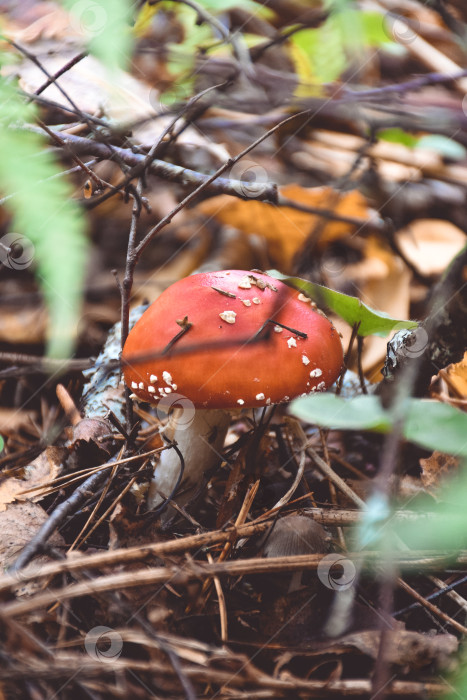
<point>221,341</point>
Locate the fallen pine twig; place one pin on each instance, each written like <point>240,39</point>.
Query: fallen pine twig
<point>196,570</point>
<point>66,663</point>
<point>81,562</point>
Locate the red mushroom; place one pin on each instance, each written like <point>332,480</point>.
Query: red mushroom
<point>225,340</point>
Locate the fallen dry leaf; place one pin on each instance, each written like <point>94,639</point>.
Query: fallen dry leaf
<point>286,229</point>
<point>12,419</point>
<point>436,469</point>
<point>383,282</point>
<point>457,377</point>
<point>28,327</point>
<point>389,293</point>
<point>430,244</point>
<point>404,647</point>
<point>44,20</point>
<point>19,523</point>
<point>122,97</point>
<point>39,473</point>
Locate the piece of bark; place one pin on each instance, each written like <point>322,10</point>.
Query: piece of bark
<point>439,340</point>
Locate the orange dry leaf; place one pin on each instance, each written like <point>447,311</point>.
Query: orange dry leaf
<point>284,228</point>
<point>457,377</point>
<point>436,469</point>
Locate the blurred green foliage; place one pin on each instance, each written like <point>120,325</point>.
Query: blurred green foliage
<point>39,199</point>
<point>44,212</point>
<point>430,424</point>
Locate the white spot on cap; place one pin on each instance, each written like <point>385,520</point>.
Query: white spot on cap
<point>247,302</point>
<point>151,390</point>
<point>228,316</point>
<point>133,396</point>
<point>268,402</point>
<point>245,282</point>
<point>316,372</point>
<point>321,386</point>
<point>261,284</point>
<point>256,379</point>
<point>167,390</point>
<point>291,342</point>
<point>305,360</point>
<point>260,397</point>
<point>174,387</point>
<point>141,385</point>
<point>167,377</point>
<point>286,398</point>
<point>302,297</point>
<point>240,402</point>
<point>278,329</point>
<point>134,385</point>
<point>256,300</point>
<point>153,379</point>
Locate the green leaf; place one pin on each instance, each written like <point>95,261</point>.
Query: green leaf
<point>446,527</point>
<point>371,530</point>
<point>458,683</point>
<point>106,27</point>
<point>442,144</point>
<point>430,424</point>
<point>437,426</point>
<point>2,444</point>
<point>373,28</point>
<point>434,142</point>
<point>397,135</point>
<point>224,5</point>
<point>344,34</point>
<point>349,308</point>
<point>331,411</point>
<point>322,51</point>
<point>46,215</point>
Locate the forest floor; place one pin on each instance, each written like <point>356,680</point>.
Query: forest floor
<point>325,554</point>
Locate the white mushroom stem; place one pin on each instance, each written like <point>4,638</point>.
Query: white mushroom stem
<point>200,438</point>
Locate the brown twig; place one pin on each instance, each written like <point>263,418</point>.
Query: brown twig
<point>197,570</point>
<point>188,543</point>
<point>432,608</point>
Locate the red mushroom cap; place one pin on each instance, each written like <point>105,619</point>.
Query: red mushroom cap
<point>230,355</point>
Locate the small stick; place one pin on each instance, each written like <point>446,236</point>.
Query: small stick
<point>335,478</point>
<point>241,517</point>
<point>221,599</point>
<point>197,570</point>
<point>300,471</point>
<point>432,608</point>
